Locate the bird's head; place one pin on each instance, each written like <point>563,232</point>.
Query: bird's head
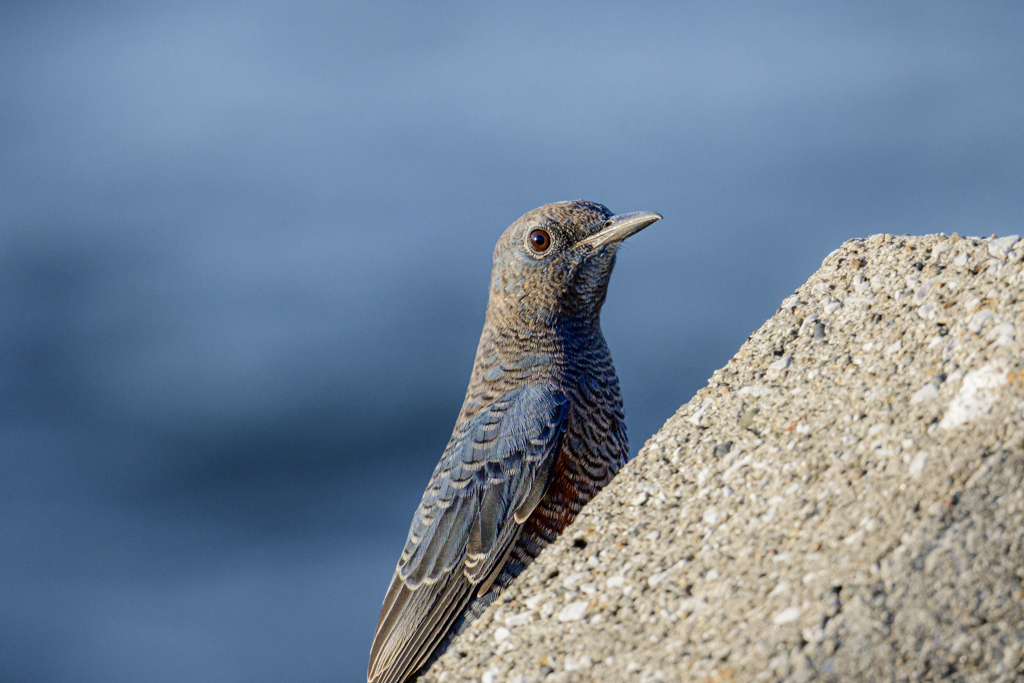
<point>553,264</point>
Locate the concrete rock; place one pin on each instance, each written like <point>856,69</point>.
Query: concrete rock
<point>814,521</point>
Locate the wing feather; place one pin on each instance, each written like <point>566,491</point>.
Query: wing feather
<point>491,475</point>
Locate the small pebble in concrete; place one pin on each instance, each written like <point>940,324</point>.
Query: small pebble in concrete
<point>1000,248</point>
<point>786,616</point>
<point>1004,334</point>
<point>574,611</point>
<point>976,397</point>
<point>578,663</point>
<point>519,619</point>
<point>978,321</point>
<point>917,464</point>
<point>925,393</point>
<point>698,415</point>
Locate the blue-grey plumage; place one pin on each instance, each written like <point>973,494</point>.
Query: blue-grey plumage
<point>540,432</point>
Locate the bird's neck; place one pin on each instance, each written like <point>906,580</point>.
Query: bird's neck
<point>545,345</point>
<point>512,354</point>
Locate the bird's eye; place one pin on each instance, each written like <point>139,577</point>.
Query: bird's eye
<point>540,240</point>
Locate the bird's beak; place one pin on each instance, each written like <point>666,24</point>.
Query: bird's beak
<point>618,228</point>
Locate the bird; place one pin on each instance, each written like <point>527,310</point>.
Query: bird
<point>541,430</point>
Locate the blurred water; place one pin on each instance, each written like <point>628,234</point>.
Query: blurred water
<point>244,252</point>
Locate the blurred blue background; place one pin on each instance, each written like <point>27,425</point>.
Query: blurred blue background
<point>244,253</point>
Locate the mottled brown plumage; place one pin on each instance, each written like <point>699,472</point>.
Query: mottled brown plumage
<point>540,432</point>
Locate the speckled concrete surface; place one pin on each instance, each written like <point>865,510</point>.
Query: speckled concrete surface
<point>843,501</point>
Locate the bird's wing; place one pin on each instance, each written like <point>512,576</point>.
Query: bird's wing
<point>492,475</point>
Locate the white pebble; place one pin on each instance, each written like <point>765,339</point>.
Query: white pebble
<point>519,619</point>
<point>490,676</point>
<point>855,537</point>
<point>894,347</point>
<point>574,611</point>
<point>534,600</point>
<point>926,289</point>
<point>977,395</point>
<point>578,663</point>
<point>961,260</point>
<point>978,321</point>
<point>917,464</point>
<point>640,499</point>
<point>711,516</point>
<point>572,579</point>
<point>787,616</point>
<point>502,634</point>
<point>654,579</point>
<point>815,634</point>
<point>832,306</point>
<point>1000,248</point>
<point>615,581</point>
<point>1003,333</point>
<point>925,393</point>
<point>699,414</point>
<point>782,363</point>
